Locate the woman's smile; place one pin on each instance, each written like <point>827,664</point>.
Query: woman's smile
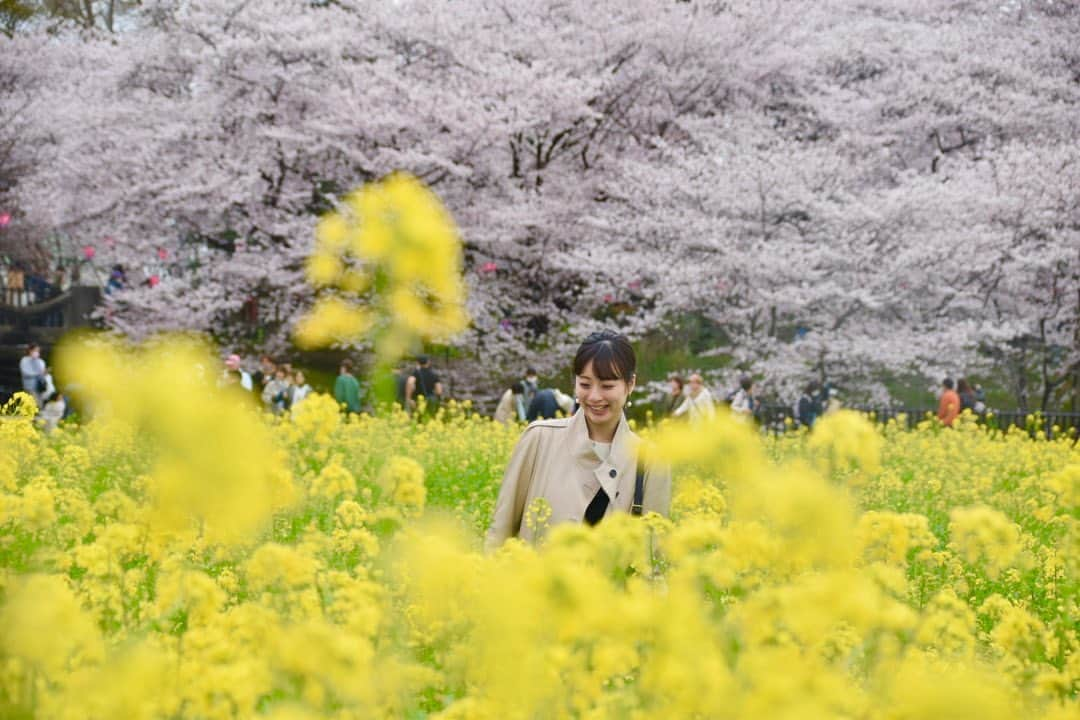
<point>598,410</point>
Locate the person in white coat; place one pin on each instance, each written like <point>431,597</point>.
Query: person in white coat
<point>699,403</point>
<point>511,405</point>
<point>584,467</point>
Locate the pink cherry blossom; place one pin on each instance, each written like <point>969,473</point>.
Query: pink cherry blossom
<point>819,175</point>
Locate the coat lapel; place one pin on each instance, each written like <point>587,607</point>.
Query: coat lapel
<point>620,486</point>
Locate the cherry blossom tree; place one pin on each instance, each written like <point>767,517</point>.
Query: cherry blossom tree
<point>846,190</point>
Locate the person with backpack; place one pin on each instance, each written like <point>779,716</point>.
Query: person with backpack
<point>423,383</point>
<point>586,467</point>
<point>548,403</point>
<point>743,401</point>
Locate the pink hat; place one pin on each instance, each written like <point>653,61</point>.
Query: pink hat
<point>232,362</point>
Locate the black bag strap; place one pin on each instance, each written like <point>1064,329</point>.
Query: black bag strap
<point>639,489</point>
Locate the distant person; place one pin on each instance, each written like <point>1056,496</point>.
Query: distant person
<point>673,398</point>
<point>117,280</point>
<point>236,375</point>
<point>743,402</point>
<point>347,388</point>
<point>809,407</point>
<point>833,403</point>
<point>16,285</point>
<point>511,404</point>
<point>264,373</point>
<point>276,392</point>
<point>37,286</point>
<point>698,403</point>
<point>548,403</point>
<point>52,411</point>
<point>299,390</point>
<point>33,371</point>
<point>530,385</point>
<point>948,403</point>
<point>969,399</point>
<point>980,399</point>
<point>401,380</point>
<point>423,383</point>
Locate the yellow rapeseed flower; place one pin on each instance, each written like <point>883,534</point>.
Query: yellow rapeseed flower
<point>389,260</point>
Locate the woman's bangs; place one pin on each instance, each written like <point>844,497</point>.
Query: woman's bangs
<point>604,363</point>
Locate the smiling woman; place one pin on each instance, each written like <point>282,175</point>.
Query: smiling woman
<point>585,467</point>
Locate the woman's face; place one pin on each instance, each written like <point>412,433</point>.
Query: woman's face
<point>695,386</point>
<point>601,400</point>
<point>676,388</point>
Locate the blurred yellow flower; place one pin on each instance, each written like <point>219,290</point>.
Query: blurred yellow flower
<point>390,261</point>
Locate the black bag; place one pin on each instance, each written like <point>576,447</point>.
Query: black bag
<point>40,385</point>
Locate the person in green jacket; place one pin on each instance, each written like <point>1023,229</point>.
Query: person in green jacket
<point>347,388</point>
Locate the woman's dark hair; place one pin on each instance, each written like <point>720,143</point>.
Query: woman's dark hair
<point>963,387</point>
<point>677,379</point>
<point>518,388</point>
<point>611,355</point>
<point>746,382</point>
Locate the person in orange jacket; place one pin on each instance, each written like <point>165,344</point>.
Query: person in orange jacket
<point>949,404</point>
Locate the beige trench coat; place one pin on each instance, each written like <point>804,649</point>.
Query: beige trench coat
<point>555,460</point>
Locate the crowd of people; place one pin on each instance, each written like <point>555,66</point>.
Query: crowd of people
<point>692,399</point>
<point>279,386</point>
<point>420,390</point>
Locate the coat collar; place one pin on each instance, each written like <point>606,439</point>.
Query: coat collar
<point>623,445</point>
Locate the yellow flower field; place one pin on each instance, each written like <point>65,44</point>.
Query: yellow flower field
<point>184,556</point>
